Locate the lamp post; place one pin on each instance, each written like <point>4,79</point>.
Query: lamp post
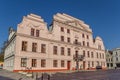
<point>77,58</point>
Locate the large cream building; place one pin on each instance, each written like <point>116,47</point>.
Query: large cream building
<point>35,46</point>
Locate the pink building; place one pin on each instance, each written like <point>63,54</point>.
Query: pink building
<point>35,46</point>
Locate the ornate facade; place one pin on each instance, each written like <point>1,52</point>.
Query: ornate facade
<point>35,46</point>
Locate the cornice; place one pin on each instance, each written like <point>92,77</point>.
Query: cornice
<point>55,41</point>
<point>14,35</point>
<point>35,20</point>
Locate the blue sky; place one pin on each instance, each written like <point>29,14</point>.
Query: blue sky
<point>103,16</point>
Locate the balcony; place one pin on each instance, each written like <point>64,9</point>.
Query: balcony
<point>77,43</point>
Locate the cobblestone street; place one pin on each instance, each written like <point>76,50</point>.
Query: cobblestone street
<point>82,75</point>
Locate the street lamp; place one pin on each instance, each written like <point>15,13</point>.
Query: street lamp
<point>77,58</point>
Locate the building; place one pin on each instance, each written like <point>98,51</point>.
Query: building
<point>116,58</point>
<point>109,59</point>
<point>34,46</point>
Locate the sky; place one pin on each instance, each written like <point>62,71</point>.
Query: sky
<point>103,16</point>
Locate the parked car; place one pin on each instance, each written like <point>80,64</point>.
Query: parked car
<point>1,67</point>
<point>98,67</point>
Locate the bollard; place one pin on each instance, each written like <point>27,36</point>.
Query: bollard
<point>36,76</point>
<point>42,77</point>
<point>48,76</point>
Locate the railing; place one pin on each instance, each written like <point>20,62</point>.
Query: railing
<point>77,43</point>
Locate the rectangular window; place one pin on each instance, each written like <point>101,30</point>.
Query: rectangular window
<point>55,50</point>
<point>34,47</point>
<point>87,44</point>
<point>24,45</point>
<point>43,63</point>
<point>88,54</point>
<point>62,63</point>
<point>92,63</point>
<point>76,41</point>
<point>62,51</point>
<point>87,37</point>
<point>37,33</point>
<point>83,43</point>
<point>103,56</point>
<point>62,38</point>
<point>62,29</point>
<point>68,31</point>
<point>32,31</point>
<point>43,48</point>
<point>23,62</point>
<point>83,36</point>
<point>84,53</point>
<point>100,55</point>
<point>34,62</point>
<point>92,56</point>
<point>97,54</point>
<point>68,40</point>
<point>55,63</point>
<point>69,51</point>
<point>88,64</point>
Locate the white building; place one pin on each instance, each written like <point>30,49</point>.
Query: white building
<point>34,46</point>
<point>109,59</point>
<point>116,58</point>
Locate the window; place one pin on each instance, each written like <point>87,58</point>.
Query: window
<point>76,41</point>
<point>62,63</point>
<point>32,31</point>
<point>83,36</point>
<point>116,54</point>
<point>116,58</point>
<point>87,37</point>
<point>83,43</point>
<point>43,48</point>
<point>99,47</point>
<point>88,53</point>
<point>62,38</point>
<point>34,47</point>
<point>24,45</point>
<point>97,54</point>
<point>92,55</point>
<point>69,51</point>
<point>68,39</point>
<point>37,33</point>
<point>43,63</point>
<point>100,55</point>
<point>92,63</point>
<point>62,29</point>
<point>23,62</point>
<point>88,64</point>
<point>103,56</point>
<point>87,44</point>
<point>54,63</point>
<point>55,50</point>
<point>62,51</point>
<point>84,53</point>
<point>68,31</point>
<point>34,62</point>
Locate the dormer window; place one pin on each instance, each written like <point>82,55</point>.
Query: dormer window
<point>83,36</point>
<point>62,29</point>
<point>68,31</point>
<point>87,37</point>
<point>32,31</point>
<point>99,47</point>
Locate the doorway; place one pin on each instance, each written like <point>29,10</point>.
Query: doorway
<point>68,65</point>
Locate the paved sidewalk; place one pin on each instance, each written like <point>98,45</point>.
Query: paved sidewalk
<point>7,75</point>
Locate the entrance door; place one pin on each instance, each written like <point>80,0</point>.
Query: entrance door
<point>68,65</point>
<point>83,64</point>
